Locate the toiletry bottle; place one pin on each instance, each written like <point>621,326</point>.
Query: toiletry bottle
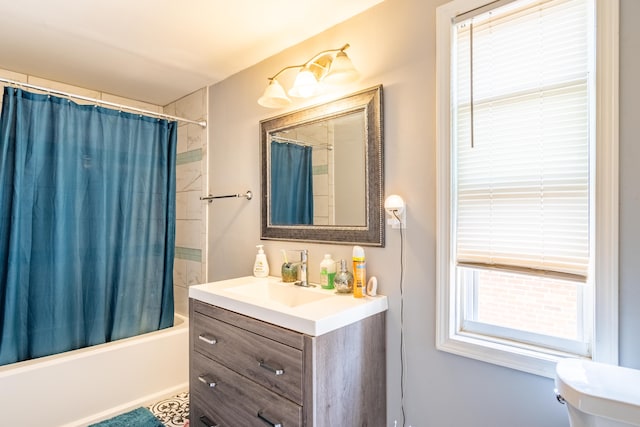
<point>359,272</point>
<point>327,272</point>
<point>344,279</point>
<point>261,266</point>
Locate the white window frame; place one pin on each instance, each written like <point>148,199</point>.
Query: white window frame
<point>533,359</point>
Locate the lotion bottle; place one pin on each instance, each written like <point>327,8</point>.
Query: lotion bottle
<point>327,272</point>
<point>359,273</point>
<point>261,266</point>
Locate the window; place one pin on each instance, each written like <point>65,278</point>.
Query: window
<point>527,167</point>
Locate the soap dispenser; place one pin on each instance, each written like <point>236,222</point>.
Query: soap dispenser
<point>327,272</point>
<point>261,266</point>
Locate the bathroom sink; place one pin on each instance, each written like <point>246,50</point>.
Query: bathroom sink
<point>280,293</point>
<point>313,311</point>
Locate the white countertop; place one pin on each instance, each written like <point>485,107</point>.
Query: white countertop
<point>312,311</point>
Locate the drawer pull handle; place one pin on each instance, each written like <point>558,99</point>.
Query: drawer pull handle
<point>267,420</point>
<point>207,422</point>
<point>208,339</point>
<point>275,371</point>
<point>205,379</point>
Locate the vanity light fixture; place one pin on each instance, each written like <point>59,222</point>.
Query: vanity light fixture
<point>329,67</point>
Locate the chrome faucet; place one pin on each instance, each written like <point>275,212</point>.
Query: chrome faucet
<point>304,276</point>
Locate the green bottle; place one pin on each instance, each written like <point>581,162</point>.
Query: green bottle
<point>327,272</point>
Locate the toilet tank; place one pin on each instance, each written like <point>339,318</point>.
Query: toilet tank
<point>598,394</point>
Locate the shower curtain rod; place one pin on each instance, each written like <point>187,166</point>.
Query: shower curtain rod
<point>303,143</point>
<point>202,123</point>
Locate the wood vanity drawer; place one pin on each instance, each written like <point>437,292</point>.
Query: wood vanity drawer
<point>234,400</point>
<point>285,336</point>
<point>272,364</point>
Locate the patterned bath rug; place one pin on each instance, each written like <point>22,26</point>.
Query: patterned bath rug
<point>141,417</point>
<point>173,412</point>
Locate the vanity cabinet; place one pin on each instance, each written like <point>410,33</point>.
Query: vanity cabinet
<point>246,372</point>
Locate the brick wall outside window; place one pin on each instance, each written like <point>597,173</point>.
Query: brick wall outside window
<point>529,303</point>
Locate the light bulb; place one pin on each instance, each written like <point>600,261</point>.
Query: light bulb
<point>305,84</point>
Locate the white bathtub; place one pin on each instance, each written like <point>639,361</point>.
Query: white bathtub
<point>84,386</point>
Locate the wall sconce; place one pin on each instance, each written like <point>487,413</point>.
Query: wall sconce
<point>331,67</point>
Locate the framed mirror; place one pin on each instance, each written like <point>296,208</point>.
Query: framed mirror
<point>322,172</point>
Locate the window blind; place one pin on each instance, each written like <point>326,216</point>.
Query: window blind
<point>521,134</point>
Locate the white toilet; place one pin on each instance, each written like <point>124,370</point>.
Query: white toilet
<point>597,394</point>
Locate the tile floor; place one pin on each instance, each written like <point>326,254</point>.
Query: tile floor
<point>174,411</point>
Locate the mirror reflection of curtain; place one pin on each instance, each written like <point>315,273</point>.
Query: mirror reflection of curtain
<point>87,225</point>
<point>291,184</point>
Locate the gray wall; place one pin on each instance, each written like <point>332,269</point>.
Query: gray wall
<point>394,44</point>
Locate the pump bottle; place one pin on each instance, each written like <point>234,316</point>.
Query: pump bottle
<point>327,272</point>
<point>261,266</point>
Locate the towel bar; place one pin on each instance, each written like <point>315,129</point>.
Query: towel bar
<point>248,195</point>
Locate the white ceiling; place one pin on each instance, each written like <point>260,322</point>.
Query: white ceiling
<point>156,50</point>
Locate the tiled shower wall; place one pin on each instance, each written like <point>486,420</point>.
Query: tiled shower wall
<point>189,267</point>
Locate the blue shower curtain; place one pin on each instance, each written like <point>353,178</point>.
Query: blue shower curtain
<point>291,184</point>
<point>87,225</point>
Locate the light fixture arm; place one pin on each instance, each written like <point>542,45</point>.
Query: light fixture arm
<point>323,53</point>
<point>310,61</point>
<point>284,69</point>
<point>331,67</point>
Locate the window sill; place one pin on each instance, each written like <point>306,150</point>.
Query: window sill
<point>531,360</point>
